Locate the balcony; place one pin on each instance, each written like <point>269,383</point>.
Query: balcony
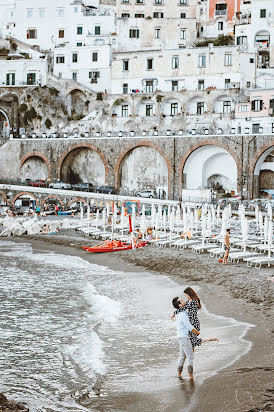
<point>220,12</point>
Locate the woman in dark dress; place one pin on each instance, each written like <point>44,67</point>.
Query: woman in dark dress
<point>192,305</point>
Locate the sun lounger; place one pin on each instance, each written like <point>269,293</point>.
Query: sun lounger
<point>259,261</point>
<point>206,246</point>
<point>219,252</point>
<point>235,257</point>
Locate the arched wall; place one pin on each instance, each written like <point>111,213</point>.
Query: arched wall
<point>208,142</point>
<point>77,199</point>
<point>83,146</point>
<point>52,197</point>
<point>39,155</point>
<point>255,167</point>
<point>134,146</point>
<point>4,196</point>
<point>24,193</point>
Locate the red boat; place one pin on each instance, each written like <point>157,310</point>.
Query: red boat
<point>113,246</point>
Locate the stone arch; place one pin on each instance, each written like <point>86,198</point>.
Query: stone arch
<point>76,102</point>
<point>117,107</point>
<point>134,146</point>
<point>39,155</point>
<point>77,199</point>
<point>24,193</point>
<point>255,166</point>
<point>166,106</point>
<point>208,142</point>
<point>4,196</point>
<point>218,103</point>
<point>191,104</point>
<point>80,146</point>
<point>4,125</point>
<point>52,197</point>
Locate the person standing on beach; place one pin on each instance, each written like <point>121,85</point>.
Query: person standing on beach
<point>227,246</point>
<point>183,327</point>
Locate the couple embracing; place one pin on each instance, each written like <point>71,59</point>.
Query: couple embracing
<point>188,328</point>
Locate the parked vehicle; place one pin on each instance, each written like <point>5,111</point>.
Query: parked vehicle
<point>85,187</point>
<point>106,189</point>
<point>36,183</point>
<point>147,193</point>
<point>60,185</point>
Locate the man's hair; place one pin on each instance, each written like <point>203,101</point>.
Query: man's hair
<point>175,302</point>
<point>228,230</point>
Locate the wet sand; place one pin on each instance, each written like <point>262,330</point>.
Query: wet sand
<point>232,291</point>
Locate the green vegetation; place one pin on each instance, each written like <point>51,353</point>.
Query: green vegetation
<point>48,124</point>
<point>222,40</point>
<point>4,51</point>
<point>13,45</point>
<point>53,91</point>
<point>29,116</point>
<point>23,107</point>
<point>99,96</point>
<point>75,117</point>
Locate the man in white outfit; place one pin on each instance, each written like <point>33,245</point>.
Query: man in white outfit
<point>183,327</point>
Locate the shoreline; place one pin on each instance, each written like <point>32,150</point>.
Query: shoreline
<point>247,381</point>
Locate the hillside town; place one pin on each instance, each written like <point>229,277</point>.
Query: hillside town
<point>193,80</point>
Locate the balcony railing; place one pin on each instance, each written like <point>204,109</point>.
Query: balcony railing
<point>220,12</point>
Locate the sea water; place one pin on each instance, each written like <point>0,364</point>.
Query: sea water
<point>76,336</point>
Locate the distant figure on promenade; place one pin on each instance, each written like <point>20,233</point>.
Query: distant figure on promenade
<point>227,246</point>
<point>183,327</point>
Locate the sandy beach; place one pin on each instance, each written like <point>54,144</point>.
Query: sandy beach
<point>232,291</point>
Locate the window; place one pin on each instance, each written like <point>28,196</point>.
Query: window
<point>74,57</point>
<point>79,44</point>
<point>241,40</point>
<point>60,75</point>
<point>29,12</point>
<point>202,61</point>
<point>256,105</point>
<point>79,30</point>
<point>149,64</point>
<point>220,9</point>
<point>201,11</point>
<point>60,12</point>
<point>61,34</point>
<point>125,88</point>
<point>272,127</point>
<point>262,13</point>
<point>42,12</point>
<point>248,84</point>
<point>124,110</point>
<point>227,83</point>
<point>139,15</point>
<point>125,1</point>
<point>243,108</point>
<point>183,15</point>
<point>94,76</point>
<point>202,29</point>
<point>125,15</point>
<point>201,85</point>
<point>182,34</point>
<point>139,1</point>
<point>125,65</point>
<point>75,9</point>
<point>74,76</point>
<point>159,1</point>
<point>173,109</point>
<point>97,30</point>
<point>158,15</point>
<point>10,79</point>
<point>175,62</point>
<point>228,59</point>
<point>200,108</point>
<point>134,33</point>
<point>31,34</point>
<point>157,33</point>
<point>220,26</point>
<point>256,128</point>
<point>174,85</point>
<point>31,78</point>
<point>94,56</point>
<point>60,59</point>
<point>226,106</point>
<point>182,2</point>
<point>149,110</point>
<point>271,104</point>
<point>251,60</point>
<point>149,86</point>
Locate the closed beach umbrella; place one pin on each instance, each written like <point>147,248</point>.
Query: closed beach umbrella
<point>153,215</point>
<point>245,233</point>
<point>266,229</point>
<point>123,217</point>
<point>270,237</point>
<point>133,217</point>
<point>88,214</point>
<point>97,218</point>
<point>171,220</point>
<point>191,222</point>
<point>269,211</point>
<point>257,216</point>
<point>104,219</point>
<point>81,214</point>
<point>261,223</point>
<point>164,220</point>
<point>108,210</point>
<point>218,211</point>
<point>178,217</point>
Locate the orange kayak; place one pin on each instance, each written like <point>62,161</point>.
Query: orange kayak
<point>112,246</point>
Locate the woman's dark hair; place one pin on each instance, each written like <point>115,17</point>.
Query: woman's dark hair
<point>175,302</point>
<point>190,292</point>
